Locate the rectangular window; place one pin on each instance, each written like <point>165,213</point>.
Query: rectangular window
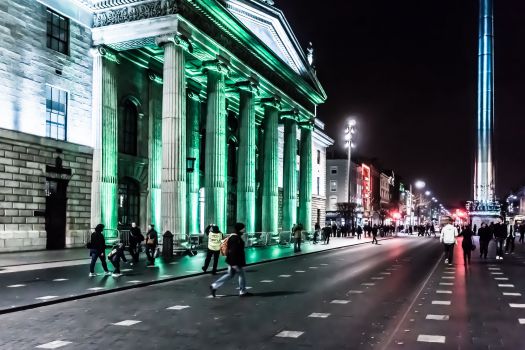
<point>57,32</point>
<point>318,157</point>
<point>333,186</point>
<point>56,113</point>
<point>333,170</point>
<point>318,185</point>
<point>298,147</point>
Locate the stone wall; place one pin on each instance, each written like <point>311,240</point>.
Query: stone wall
<point>318,203</point>
<point>23,160</point>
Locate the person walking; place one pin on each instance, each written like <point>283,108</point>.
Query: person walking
<point>327,231</point>
<point>374,234</point>
<point>236,260</point>
<point>317,228</point>
<point>297,235</point>
<point>117,253</point>
<point>522,232</point>
<point>214,247</point>
<point>500,234</point>
<point>448,238</point>
<point>467,244</point>
<point>152,240</point>
<point>135,238</point>
<point>359,232</point>
<point>509,244</point>
<point>484,238</point>
<point>97,247</point>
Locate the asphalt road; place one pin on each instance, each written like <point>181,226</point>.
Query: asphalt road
<point>362,297</point>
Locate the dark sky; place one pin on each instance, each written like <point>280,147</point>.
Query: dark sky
<point>408,71</point>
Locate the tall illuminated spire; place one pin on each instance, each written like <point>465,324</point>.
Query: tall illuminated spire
<point>484,166</point>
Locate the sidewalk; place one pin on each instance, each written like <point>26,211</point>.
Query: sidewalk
<point>32,285</point>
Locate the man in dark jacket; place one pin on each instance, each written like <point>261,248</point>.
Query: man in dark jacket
<point>484,238</point>
<point>97,247</point>
<point>151,244</point>
<point>236,260</point>
<point>500,234</point>
<point>135,237</point>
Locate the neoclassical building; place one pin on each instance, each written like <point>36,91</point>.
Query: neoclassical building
<point>178,113</point>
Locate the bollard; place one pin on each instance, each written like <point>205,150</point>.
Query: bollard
<point>167,245</point>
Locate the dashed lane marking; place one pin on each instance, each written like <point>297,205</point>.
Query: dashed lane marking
<point>216,296</point>
<point>285,276</point>
<point>166,276</point>
<point>494,268</point>
<point>300,271</point>
<point>126,323</point>
<point>506,285</point>
<point>378,278</point>
<point>425,338</point>
<point>95,288</point>
<point>318,315</point>
<point>126,270</point>
<point>313,267</point>
<point>368,284</point>
<point>16,286</point>
<point>501,278</point>
<point>448,277</point>
<point>440,302</point>
<point>385,273</point>
<point>512,294</point>
<point>47,297</point>
<point>444,291</point>
<point>323,264</point>
<point>135,281</point>
<point>178,307</point>
<point>437,317</point>
<point>517,306</point>
<point>266,281</point>
<point>355,292</point>
<point>496,273</point>
<point>54,344</point>
<point>60,279</point>
<point>446,283</point>
<point>289,334</point>
<point>521,320</point>
<point>337,301</point>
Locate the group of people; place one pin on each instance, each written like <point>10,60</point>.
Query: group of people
<point>503,234</point>
<point>97,249</point>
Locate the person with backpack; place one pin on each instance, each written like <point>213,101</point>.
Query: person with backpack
<point>233,247</point>
<point>135,238</point>
<point>97,247</point>
<point>117,253</point>
<point>152,241</point>
<point>214,247</point>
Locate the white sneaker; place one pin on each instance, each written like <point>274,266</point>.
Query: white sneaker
<point>107,273</point>
<point>116,274</point>
<point>92,274</point>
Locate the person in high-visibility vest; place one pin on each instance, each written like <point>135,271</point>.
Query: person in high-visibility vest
<point>214,247</point>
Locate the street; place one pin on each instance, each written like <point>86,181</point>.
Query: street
<point>397,294</point>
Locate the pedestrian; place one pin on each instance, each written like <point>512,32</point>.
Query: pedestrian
<point>359,232</point>
<point>374,234</point>
<point>510,240</point>
<point>297,234</point>
<point>334,230</point>
<point>317,228</point>
<point>152,240</point>
<point>117,253</point>
<point>500,234</point>
<point>448,238</point>
<point>236,260</point>
<point>467,244</point>
<point>97,247</point>
<point>484,238</point>
<point>135,239</point>
<point>522,232</point>
<point>327,231</point>
<point>214,247</point>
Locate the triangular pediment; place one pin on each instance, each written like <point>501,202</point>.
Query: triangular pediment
<point>269,25</point>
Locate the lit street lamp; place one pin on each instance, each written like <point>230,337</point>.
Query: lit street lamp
<point>349,134</point>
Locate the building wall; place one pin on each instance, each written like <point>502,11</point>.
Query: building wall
<point>341,179</point>
<point>27,65</point>
<point>23,160</point>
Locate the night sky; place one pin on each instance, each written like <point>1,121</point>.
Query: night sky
<point>408,71</point>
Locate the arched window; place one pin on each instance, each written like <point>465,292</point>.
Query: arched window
<point>128,140</point>
<point>128,202</point>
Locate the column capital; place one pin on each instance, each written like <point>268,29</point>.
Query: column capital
<point>308,125</point>
<point>154,77</point>
<point>249,85</point>
<point>271,102</point>
<point>291,114</point>
<point>220,65</point>
<point>102,51</point>
<point>178,39</point>
<point>193,95</point>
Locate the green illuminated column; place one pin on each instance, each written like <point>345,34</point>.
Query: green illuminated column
<point>289,174</point>
<point>305,178</point>
<point>246,162</point>
<point>194,139</point>
<point>173,184</point>
<point>215,152</point>
<point>270,183</point>
<point>105,139</point>
<point>155,150</point>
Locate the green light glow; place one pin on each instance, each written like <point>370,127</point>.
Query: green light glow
<point>193,138</point>
<point>155,161</point>
<point>289,174</point>
<point>305,179</point>
<point>270,199</point>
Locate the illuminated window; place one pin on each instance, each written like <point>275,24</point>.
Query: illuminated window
<point>333,186</point>
<point>128,140</point>
<point>56,113</point>
<point>57,32</point>
<point>333,170</point>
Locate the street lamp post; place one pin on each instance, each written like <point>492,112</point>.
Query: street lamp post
<point>349,132</point>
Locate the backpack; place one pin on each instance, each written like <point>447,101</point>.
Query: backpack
<point>224,246</point>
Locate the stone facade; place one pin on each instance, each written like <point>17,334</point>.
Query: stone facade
<point>23,160</point>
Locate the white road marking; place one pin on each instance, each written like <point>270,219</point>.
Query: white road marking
<point>452,272</point>
<point>289,334</point>
<point>135,281</point>
<point>16,286</point>
<point>178,307</point>
<point>438,317</point>
<point>506,285</point>
<point>339,301</point>
<point>385,273</point>
<point>318,315</point>
<point>494,268</point>
<point>95,288</point>
<point>126,323</point>
<point>448,277</point>
<point>440,302</point>
<point>60,279</point>
<point>368,284</point>
<point>246,288</point>
<point>192,271</point>
<point>446,283</point>
<point>174,263</point>
<point>266,281</point>
<point>42,266</point>
<point>313,267</point>
<point>444,291</point>
<point>216,296</point>
<point>521,320</point>
<point>355,292</point>
<point>517,306</point>
<point>324,264</point>
<point>496,273</point>
<point>285,276</point>
<point>378,278</point>
<point>501,278</point>
<point>300,271</point>
<point>431,338</point>
<point>166,276</point>
<point>47,297</point>
<point>126,270</point>
<point>512,294</point>
<point>54,344</point>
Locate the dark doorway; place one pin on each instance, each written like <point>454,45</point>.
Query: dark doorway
<point>128,202</point>
<point>56,202</point>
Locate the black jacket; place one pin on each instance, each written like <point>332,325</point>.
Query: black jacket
<point>500,231</point>
<point>466,244</point>
<point>135,236</point>
<point>98,242</point>
<point>152,234</point>
<point>484,234</point>
<point>235,255</point>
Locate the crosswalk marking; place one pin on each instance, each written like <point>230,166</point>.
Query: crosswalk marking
<point>178,307</point>
<point>512,294</point>
<point>368,284</point>
<point>501,278</point>
<point>318,315</point>
<point>446,283</point>
<point>440,302</point>
<point>126,323</point>
<point>54,344</point>
<point>431,338</point>
<point>448,277</point>
<point>444,291</point>
<point>339,301</point>
<point>506,285</point>
<point>518,306</point>
<point>289,334</point>
<point>438,317</point>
